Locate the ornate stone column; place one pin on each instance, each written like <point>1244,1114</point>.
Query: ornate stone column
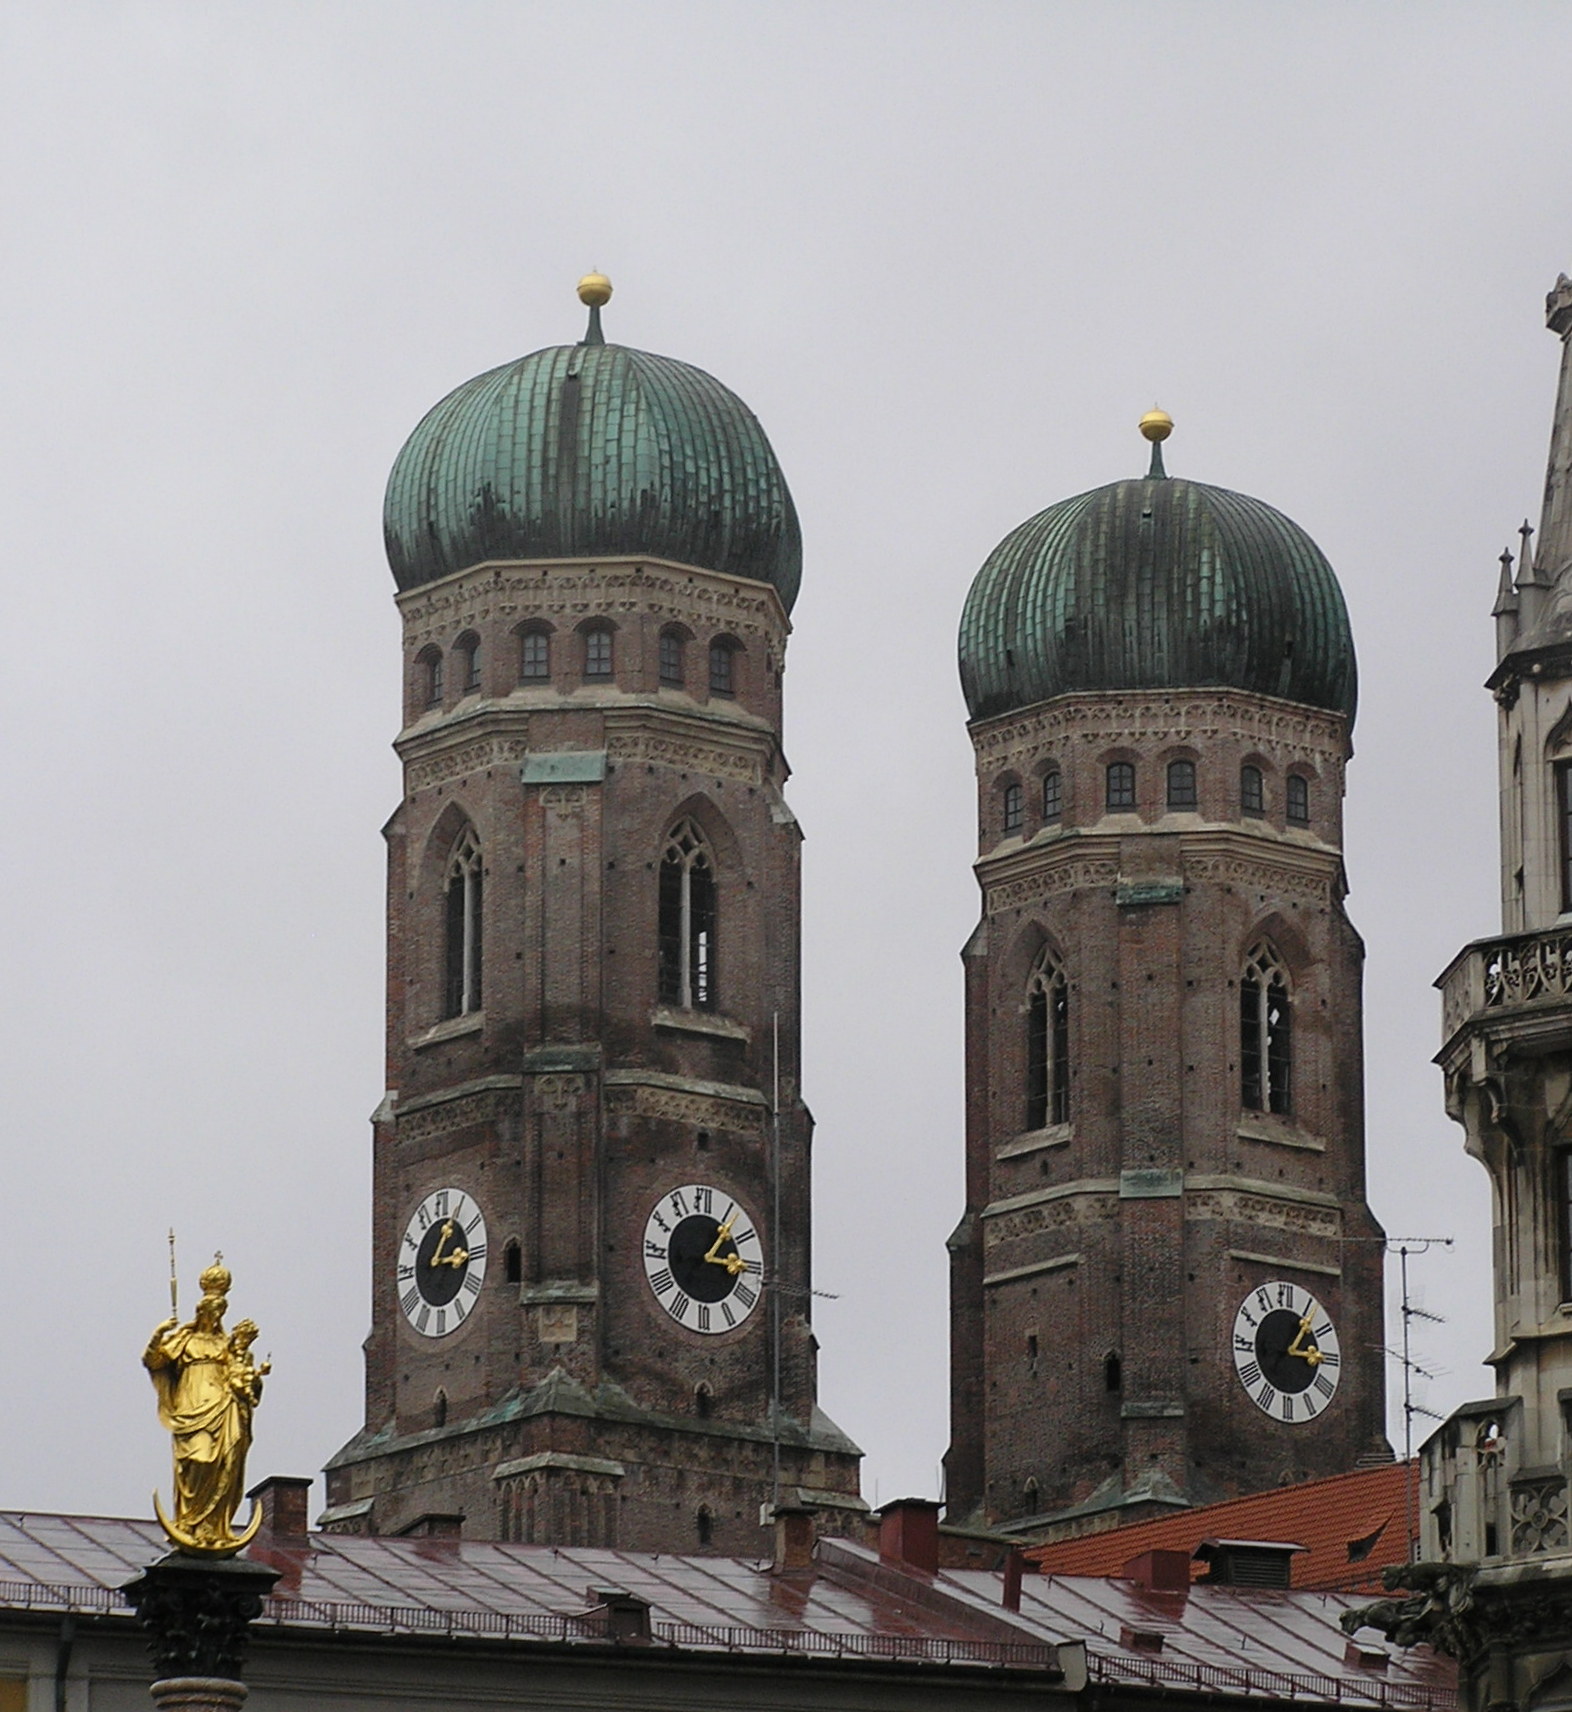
<point>198,1613</point>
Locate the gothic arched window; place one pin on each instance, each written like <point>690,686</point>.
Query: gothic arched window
<point>1014,807</point>
<point>1121,785</point>
<point>1047,1044</point>
<point>429,680</point>
<point>1053,795</point>
<point>687,921</point>
<point>1297,801</point>
<point>462,888</point>
<point>1181,785</point>
<point>1265,1034</point>
<point>723,667</point>
<point>1252,791</point>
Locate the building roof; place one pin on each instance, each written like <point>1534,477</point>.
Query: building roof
<point>1156,584</point>
<point>848,1605</point>
<point>586,451</point>
<point>1351,1525</point>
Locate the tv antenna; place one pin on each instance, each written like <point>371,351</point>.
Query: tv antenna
<point>1404,1246</point>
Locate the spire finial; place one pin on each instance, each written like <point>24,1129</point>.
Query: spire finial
<point>594,291</point>
<point>1156,426</point>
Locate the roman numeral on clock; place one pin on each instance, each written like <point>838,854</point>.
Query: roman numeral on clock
<point>662,1281</point>
<point>1250,1373</point>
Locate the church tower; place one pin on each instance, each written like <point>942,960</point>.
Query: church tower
<point>1166,1286</point>
<point>590,1225</point>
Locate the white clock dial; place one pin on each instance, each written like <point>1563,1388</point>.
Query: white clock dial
<point>1286,1352</point>
<point>703,1258</point>
<point>442,1262</point>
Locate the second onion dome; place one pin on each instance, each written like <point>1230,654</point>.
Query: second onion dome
<point>1156,584</point>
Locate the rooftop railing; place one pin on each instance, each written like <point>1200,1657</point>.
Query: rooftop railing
<point>1501,974</point>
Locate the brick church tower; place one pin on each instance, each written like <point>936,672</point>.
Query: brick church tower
<point>1166,1286</point>
<point>590,1226</point>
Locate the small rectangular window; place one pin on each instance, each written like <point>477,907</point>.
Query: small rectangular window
<point>1252,792</point>
<point>1053,794</point>
<point>1181,784</point>
<point>1014,808</point>
<point>671,662</point>
<point>721,674</point>
<point>597,653</point>
<point>472,670</point>
<point>1298,799</point>
<point>534,656</point>
<point>1121,785</point>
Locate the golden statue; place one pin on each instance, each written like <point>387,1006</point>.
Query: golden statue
<point>208,1386</point>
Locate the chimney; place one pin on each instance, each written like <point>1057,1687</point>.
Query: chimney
<point>795,1534</point>
<point>1248,1563</point>
<point>282,1499</point>
<point>627,1616</point>
<point>1014,1563</point>
<point>1159,1572</point>
<point>434,1525</point>
<point>909,1535</point>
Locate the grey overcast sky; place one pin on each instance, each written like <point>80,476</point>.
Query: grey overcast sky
<point>949,254</point>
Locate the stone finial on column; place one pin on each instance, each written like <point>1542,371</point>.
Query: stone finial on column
<point>198,1614</point>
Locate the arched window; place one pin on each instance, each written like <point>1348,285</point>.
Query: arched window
<point>1265,1034</point>
<point>687,921</point>
<point>723,667</point>
<point>429,682</point>
<point>513,1263</point>
<point>1014,807</point>
<point>704,1525</point>
<point>1121,785</point>
<point>1053,795</point>
<point>703,1401</point>
<point>461,985</point>
<point>439,1410</point>
<point>1252,791</point>
<point>467,649</point>
<point>534,656</point>
<point>1113,1371</point>
<point>673,672</point>
<point>1031,1498</point>
<point>1047,1045</point>
<point>597,651</point>
<point>1297,799</point>
<point>1181,785</point>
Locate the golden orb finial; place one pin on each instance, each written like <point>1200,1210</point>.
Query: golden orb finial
<point>594,290</point>
<point>1157,425</point>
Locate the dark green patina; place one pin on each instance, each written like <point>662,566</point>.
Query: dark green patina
<point>586,450</point>
<point>1153,585</point>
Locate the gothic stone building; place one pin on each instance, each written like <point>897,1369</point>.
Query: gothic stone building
<point>591,1197</point>
<point>1166,1285</point>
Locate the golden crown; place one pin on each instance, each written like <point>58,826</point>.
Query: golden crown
<point>215,1281</point>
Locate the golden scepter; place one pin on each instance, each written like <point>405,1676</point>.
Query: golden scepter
<point>174,1283</point>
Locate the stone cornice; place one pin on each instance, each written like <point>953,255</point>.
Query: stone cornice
<point>571,589</point>
<point>1166,716</point>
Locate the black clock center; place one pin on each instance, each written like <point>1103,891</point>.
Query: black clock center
<point>704,1280</point>
<point>1291,1373</point>
<point>436,1275</point>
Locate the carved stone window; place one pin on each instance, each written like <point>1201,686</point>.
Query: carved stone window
<point>1121,785</point>
<point>1265,1034</point>
<point>1539,1516</point>
<point>686,951</point>
<point>1297,799</point>
<point>1047,1044</point>
<point>1053,795</point>
<point>1252,791</point>
<point>1181,785</point>
<point>1014,807</point>
<point>534,656</point>
<point>597,651</point>
<point>462,888</point>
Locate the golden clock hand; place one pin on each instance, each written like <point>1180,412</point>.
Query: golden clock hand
<point>442,1243</point>
<point>1311,1355</point>
<point>456,1258</point>
<point>722,1234</point>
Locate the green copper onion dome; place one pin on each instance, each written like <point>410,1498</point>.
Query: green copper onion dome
<point>1153,585</point>
<point>590,450</point>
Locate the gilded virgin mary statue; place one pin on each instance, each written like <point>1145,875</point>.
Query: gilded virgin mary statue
<point>208,1387</point>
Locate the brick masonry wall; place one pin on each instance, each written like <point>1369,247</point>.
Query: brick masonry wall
<point>1152,914</point>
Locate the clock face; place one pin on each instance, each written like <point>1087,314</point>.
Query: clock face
<point>442,1262</point>
<point>703,1258</point>
<point>1286,1352</point>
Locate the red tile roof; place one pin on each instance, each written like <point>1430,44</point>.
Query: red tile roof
<point>1353,1526</point>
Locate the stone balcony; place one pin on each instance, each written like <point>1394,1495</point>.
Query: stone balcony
<point>1519,984</point>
